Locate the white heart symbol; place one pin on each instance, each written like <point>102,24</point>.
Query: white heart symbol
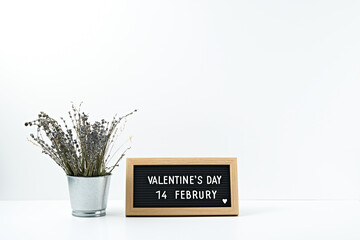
<point>224,201</point>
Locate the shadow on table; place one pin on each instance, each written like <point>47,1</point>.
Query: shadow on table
<point>115,213</point>
<point>249,211</point>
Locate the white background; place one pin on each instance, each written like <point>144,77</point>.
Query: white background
<point>274,83</point>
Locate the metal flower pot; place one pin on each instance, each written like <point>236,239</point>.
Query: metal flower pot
<point>88,195</point>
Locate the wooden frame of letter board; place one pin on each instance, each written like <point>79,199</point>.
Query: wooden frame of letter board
<point>181,211</point>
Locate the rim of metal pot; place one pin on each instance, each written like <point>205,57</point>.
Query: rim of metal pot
<point>107,175</point>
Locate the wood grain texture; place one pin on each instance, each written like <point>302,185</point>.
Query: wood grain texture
<point>181,211</point>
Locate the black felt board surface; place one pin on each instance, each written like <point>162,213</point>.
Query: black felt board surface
<point>176,192</point>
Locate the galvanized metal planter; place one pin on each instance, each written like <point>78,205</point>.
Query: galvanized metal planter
<point>88,195</point>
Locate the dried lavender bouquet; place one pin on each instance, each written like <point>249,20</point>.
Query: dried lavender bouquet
<point>84,149</point>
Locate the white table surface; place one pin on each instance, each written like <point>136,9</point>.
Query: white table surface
<point>265,220</point>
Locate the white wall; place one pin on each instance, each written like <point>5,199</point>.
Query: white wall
<point>274,83</point>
